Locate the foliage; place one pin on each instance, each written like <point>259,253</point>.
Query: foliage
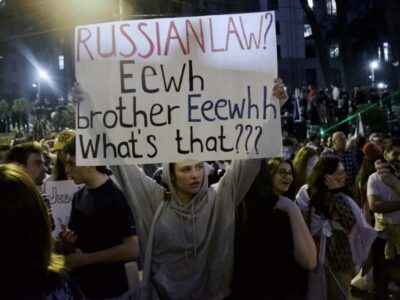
<point>4,109</point>
<point>63,117</point>
<point>375,119</point>
<point>20,106</point>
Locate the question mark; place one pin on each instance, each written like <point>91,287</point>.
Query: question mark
<point>257,138</point>
<point>250,128</point>
<point>239,136</point>
<point>268,26</point>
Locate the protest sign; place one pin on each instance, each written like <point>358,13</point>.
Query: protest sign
<point>60,196</point>
<point>171,89</point>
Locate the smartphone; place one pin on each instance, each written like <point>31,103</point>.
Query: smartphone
<point>391,167</point>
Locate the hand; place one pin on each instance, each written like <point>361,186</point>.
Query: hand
<point>385,173</point>
<point>285,204</point>
<point>76,259</point>
<point>280,92</point>
<point>68,238</point>
<point>334,182</point>
<point>76,93</point>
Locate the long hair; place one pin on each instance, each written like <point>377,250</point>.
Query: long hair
<point>318,191</point>
<point>300,162</point>
<point>359,187</point>
<point>26,252</point>
<point>273,165</point>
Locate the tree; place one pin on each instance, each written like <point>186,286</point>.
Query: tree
<point>345,42</point>
<point>21,108</point>
<point>320,42</point>
<point>63,117</point>
<point>4,115</point>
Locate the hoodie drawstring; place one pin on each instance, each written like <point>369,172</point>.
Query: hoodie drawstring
<point>194,232</point>
<point>183,231</point>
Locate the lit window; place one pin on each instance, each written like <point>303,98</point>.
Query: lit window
<point>310,3</point>
<point>307,30</point>
<point>386,52</point>
<point>61,62</point>
<point>334,50</point>
<point>331,7</point>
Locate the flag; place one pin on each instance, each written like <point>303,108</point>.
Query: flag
<point>359,127</point>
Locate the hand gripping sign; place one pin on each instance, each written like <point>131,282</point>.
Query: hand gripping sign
<point>165,90</point>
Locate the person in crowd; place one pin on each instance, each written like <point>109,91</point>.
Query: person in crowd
<point>347,157</point>
<point>59,168</point>
<point>335,93</point>
<point>373,94</point>
<point>343,236</point>
<point>288,148</point>
<point>360,142</point>
<point>383,192</point>
<point>377,139</point>
<point>303,163</point>
<point>30,156</point>
<point>29,268</point>
<point>101,234</point>
<point>276,269</point>
<point>359,190</point>
<point>314,142</point>
<point>312,114</point>
<point>322,103</point>
<point>191,226</point>
<point>358,96</point>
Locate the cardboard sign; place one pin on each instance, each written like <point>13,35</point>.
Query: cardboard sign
<point>60,194</point>
<point>166,90</point>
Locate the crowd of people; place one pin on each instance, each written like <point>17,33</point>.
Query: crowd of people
<point>324,107</point>
<point>297,227</point>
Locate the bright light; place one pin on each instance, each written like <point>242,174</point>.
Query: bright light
<point>43,74</point>
<point>310,3</point>
<point>34,85</point>
<point>381,85</point>
<point>373,65</point>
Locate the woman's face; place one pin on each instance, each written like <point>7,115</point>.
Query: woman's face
<point>340,175</point>
<point>188,177</point>
<point>282,179</point>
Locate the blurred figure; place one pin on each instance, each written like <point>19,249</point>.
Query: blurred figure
<point>59,169</point>
<point>303,163</point>
<point>31,157</point>
<point>338,226</point>
<point>277,267</point>
<point>347,157</point>
<point>377,139</point>
<point>28,270</point>
<point>314,142</point>
<point>359,190</point>
<point>383,192</point>
<point>288,148</point>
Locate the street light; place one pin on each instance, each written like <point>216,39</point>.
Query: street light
<point>373,65</point>
<point>42,75</point>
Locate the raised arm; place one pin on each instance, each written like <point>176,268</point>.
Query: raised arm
<point>305,250</point>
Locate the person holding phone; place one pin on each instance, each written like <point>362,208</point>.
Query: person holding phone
<point>383,193</point>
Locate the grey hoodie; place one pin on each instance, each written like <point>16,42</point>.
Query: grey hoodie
<point>192,253</point>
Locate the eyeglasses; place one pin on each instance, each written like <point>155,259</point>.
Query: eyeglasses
<point>284,173</point>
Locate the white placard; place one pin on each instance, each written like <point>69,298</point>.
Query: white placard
<point>60,196</point>
<point>165,90</point>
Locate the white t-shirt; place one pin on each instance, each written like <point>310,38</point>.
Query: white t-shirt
<point>378,188</point>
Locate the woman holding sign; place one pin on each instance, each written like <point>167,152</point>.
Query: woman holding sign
<point>187,234</point>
